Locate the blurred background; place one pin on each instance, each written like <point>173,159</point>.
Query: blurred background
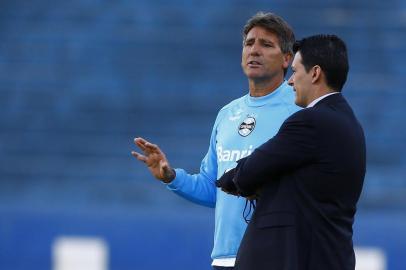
<point>80,79</point>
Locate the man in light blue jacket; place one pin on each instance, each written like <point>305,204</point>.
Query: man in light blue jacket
<point>240,127</point>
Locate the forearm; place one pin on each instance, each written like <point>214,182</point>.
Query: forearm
<point>250,175</point>
<point>197,188</point>
<point>292,147</point>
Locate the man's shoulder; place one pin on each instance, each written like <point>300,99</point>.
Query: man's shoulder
<point>316,116</point>
<point>233,103</point>
<point>305,115</point>
<point>287,97</point>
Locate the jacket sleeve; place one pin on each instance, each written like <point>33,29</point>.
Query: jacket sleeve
<point>199,188</point>
<point>292,147</point>
<point>226,183</point>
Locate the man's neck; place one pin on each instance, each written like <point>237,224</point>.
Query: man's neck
<point>319,95</point>
<point>260,89</point>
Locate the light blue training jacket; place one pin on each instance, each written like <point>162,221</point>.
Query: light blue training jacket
<point>240,127</point>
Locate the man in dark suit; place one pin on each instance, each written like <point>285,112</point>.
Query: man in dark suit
<point>308,178</point>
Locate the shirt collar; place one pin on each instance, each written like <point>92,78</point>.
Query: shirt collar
<point>263,100</point>
<point>314,102</point>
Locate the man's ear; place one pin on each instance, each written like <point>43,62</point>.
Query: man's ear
<point>316,73</point>
<point>287,59</point>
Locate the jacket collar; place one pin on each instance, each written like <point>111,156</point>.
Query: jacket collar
<point>330,99</point>
<point>314,102</point>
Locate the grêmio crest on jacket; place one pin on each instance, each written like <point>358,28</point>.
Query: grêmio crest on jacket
<point>247,126</point>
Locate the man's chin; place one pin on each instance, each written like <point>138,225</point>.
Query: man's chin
<point>300,104</point>
<point>256,76</point>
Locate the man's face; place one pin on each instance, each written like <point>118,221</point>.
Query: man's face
<point>262,58</point>
<point>301,82</point>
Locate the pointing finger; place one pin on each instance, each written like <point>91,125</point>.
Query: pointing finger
<point>152,146</point>
<point>141,140</point>
<point>140,143</point>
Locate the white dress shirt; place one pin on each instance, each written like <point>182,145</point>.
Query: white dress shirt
<point>320,98</point>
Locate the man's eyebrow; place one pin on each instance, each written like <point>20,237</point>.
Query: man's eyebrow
<point>266,40</point>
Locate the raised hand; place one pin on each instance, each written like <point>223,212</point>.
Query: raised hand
<point>155,160</point>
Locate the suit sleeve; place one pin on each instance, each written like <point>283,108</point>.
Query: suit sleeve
<point>292,147</point>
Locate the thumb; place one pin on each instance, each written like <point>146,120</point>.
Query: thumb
<point>165,166</point>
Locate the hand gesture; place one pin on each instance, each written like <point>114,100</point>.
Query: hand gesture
<point>225,182</point>
<point>155,160</point>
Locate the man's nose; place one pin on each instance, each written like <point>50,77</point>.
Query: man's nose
<point>290,81</point>
<point>255,49</point>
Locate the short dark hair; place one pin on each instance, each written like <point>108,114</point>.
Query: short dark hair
<point>275,24</point>
<point>330,53</point>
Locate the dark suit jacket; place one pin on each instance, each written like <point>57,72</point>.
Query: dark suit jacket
<point>310,177</point>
